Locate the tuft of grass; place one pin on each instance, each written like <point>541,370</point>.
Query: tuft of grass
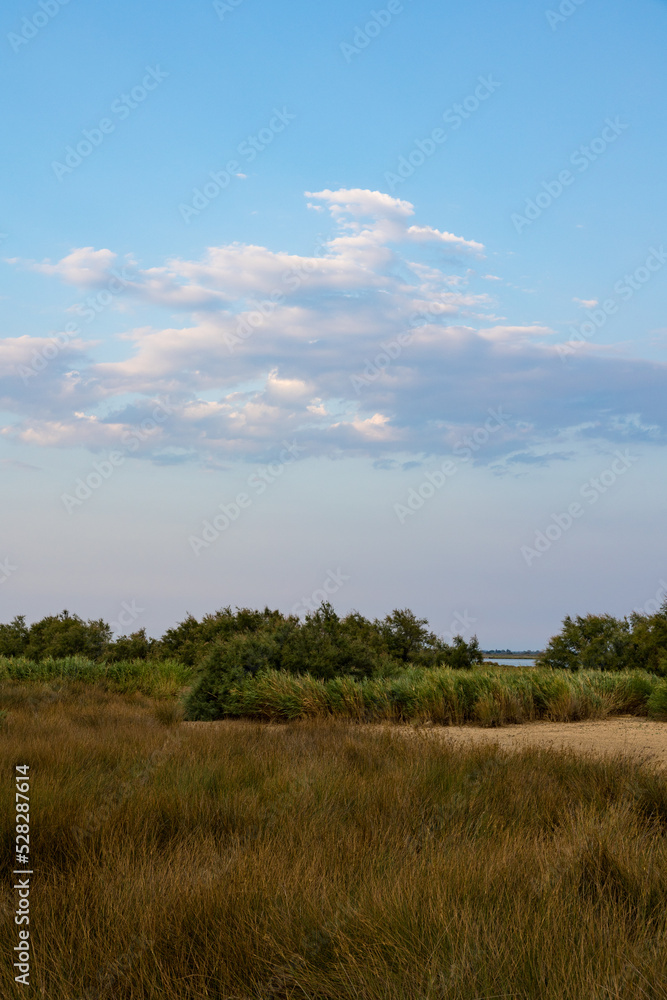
<point>657,703</point>
<point>489,697</point>
<point>169,713</point>
<point>324,860</point>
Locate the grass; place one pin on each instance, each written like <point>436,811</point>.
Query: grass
<point>487,696</point>
<point>323,860</point>
<point>159,678</point>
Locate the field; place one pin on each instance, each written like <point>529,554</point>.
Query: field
<point>323,859</point>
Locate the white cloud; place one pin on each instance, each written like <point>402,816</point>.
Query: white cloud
<point>378,345</point>
<point>84,267</point>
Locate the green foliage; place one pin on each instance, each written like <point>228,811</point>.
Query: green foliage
<point>191,640</point>
<point>160,678</point>
<point>657,703</point>
<point>602,642</point>
<point>594,642</point>
<point>66,635</point>
<point>226,664</point>
<point>327,646</point>
<point>14,637</point>
<point>442,695</point>
<point>405,635</point>
<point>136,646</point>
<point>650,635</point>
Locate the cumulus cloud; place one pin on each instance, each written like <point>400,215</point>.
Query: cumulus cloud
<point>84,267</point>
<point>377,344</point>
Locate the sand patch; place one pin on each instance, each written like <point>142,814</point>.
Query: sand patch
<point>629,734</point>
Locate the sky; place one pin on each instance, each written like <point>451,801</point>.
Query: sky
<point>330,301</point>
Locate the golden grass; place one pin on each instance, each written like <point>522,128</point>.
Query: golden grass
<point>322,860</point>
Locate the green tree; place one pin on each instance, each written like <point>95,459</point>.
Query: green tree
<point>67,635</point>
<point>14,637</point>
<point>326,646</point>
<point>592,642</point>
<point>405,635</point>
<point>649,633</point>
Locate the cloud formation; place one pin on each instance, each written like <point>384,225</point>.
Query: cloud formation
<point>378,345</point>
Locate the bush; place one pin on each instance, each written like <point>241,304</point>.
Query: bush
<point>594,642</point>
<point>136,646</point>
<point>191,640</point>
<point>601,642</point>
<point>324,645</point>
<point>66,635</point>
<point>226,664</point>
<point>14,637</point>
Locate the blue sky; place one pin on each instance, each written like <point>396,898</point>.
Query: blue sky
<point>334,299</point>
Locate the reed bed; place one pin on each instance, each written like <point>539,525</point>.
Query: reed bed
<point>159,678</point>
<point>495,696</point>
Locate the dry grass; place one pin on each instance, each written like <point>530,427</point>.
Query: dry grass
<point>322,860</point>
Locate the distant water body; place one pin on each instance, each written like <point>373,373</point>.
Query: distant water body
<point>529,661</point>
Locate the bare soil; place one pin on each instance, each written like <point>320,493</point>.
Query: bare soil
<point>640,738</point>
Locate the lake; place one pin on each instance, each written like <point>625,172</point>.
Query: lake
<point>503,661</point>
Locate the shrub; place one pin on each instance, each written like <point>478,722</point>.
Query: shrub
<point>226,664</point>
<point>326,646</point>
<point>594,642</point>
<point>14,637</point>
<point>191,640</point>
<point>136,646</point>
<point>66,635</point>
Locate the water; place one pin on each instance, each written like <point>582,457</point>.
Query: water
<point>506,662</point>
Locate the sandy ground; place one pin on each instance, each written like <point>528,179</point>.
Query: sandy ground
<point>642,739</point>
<point>627,734</point>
